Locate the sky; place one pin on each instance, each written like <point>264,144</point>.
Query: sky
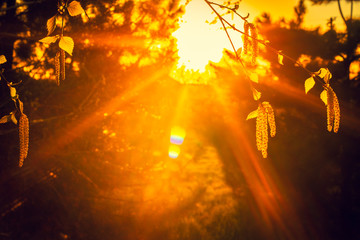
<point>199,42</point>
<point>315,16</point>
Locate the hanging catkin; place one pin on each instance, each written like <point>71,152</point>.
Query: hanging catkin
<point>254,43</point>
<point>332,110</point>
<point>337,113</point>
<point>62,65</point>
<point>246,37</point>
<point>262,131</point>
<point>23,138</point>
<point>265,115</point>
<point>57,67</point>
<point>265,137</point>
<point>271,118</point>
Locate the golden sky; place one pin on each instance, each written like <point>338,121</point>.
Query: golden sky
<point>199,42</point>
<point>316,15</point>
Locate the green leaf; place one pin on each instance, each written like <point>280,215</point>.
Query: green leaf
<point>253,114</point>
<point>323,96</point>
<point>280,58</point>
<point>50,39</point>
<point>51,24</point>
<point>309,84</point>
<point>256,94</point>
<point>66,44</point>
<point>5,119</point>
<point>2,59</point>
<point>75,8</point>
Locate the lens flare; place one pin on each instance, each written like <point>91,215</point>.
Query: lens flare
<point>174,151</point>
<point>177,135</point>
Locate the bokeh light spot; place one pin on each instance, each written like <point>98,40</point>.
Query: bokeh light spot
<point>177,135</point>
<point>174,151</point>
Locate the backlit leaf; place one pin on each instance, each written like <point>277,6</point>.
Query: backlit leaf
<point>239,51</point>
<point>50,39</point>
<point>256,94</point>
<point>21,106</point>
<point>322,72</point>
<point>51,24</point>
<point>5,119</point>
<point>323,96</point>
<point>254,77</point>
<point>280,58</point>
<point>13,118</point>
<point>309,84</point>
<point>2,59</point>
<point>66,44</point>
<point>75,8</point>
<point>253,114</point>
<point>12,92</point>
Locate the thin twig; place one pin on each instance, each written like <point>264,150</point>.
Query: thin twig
<point>351,11</point>
<point>341,13</point>
<point>3,77</point>
<point>232,44</point>
<point>231,9</point>
<point>223,20</point>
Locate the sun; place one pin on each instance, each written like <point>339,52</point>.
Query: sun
<point>198,41</point>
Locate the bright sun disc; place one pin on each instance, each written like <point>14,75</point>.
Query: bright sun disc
<point>198,41</point>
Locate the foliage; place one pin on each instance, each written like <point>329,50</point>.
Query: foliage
<point>23,122</point>
<point>66,44</point>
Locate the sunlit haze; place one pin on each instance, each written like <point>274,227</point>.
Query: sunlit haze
<point>159,120</point>
<point>198,41</point>
<point>316,15</point>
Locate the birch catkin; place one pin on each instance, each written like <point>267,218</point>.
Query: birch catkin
<point>57,68</point>
<point>23,138</point>
<point>254,43</point>
<point>332,110</point>
<point>265,115</point>
<point>262,131</point>
<point>62,65</point>
<point>337,114</point>
<point>259,122</point>
<point>265,137</point>
<point>246,37</point>
<point>271,118</point>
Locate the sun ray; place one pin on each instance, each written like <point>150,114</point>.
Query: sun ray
<point>61,139</point>
<point>263,181</point>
